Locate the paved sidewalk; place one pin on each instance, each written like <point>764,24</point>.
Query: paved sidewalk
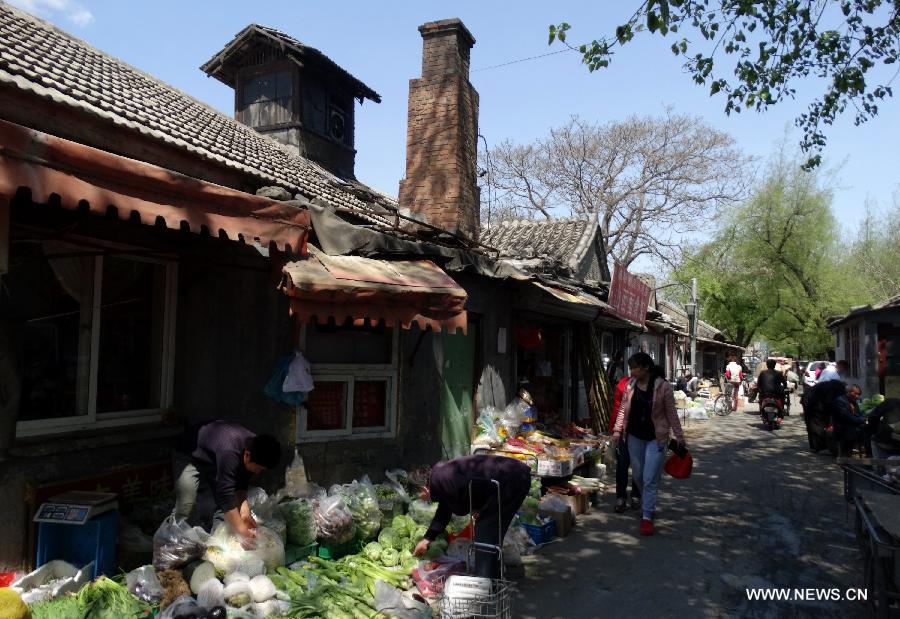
<point>760,511</point>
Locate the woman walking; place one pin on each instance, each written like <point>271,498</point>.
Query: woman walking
<point>647,417</point>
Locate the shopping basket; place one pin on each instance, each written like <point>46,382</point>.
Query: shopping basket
<point>475,597</point>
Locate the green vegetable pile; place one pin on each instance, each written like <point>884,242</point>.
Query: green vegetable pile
<point>866,406</point>
<point>343,589</point>
<point>106,599</point>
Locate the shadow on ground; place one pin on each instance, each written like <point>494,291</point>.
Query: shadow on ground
<point>760,510</point>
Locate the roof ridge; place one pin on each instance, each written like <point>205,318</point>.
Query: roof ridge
<point>81,42</point>
<point>276,169</point>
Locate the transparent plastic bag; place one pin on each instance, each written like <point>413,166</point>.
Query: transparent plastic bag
<point>334,522</point>
<point>176,543</point>
<point>362,501</point>
<point>238,595</point>
<point>487,426</point>
<point>225,552</point>
<point>391,602</point>
<point>182,606</point>
<point>422,511</point>
<point>211,594</point>
<point>296,481</point>
<point>300,522</point>
<point>144,584</point>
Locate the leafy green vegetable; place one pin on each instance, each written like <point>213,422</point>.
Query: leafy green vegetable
<point>105,599</point>
<point>388,538</point>
<point>390,557</point>
<point>64,607</point>
<point>373,551</point>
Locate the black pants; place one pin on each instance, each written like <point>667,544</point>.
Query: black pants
<point>623,461</point>
<point>494,519</point>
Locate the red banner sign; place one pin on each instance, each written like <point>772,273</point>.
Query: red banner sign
<point>629,295</point>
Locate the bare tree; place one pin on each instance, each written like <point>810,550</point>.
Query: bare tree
<point>650,180</point>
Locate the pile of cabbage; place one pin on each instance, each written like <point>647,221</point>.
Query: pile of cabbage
<point>866,406</point>
<point>396,543</point>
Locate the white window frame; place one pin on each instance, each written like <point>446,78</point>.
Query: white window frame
<point>92,419</point>
<point>349,373</point>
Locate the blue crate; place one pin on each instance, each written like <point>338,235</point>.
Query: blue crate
<point>541,533</point>
<point>95,540</point>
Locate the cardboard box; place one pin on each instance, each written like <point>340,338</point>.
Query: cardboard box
<point>565,520</point>
<point>578,502</point>
<point>554,468</point>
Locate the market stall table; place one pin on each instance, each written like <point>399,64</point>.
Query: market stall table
<point>878,533</point>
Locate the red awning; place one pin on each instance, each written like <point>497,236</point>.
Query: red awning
<point>80,174</point>
<point>396,292</point>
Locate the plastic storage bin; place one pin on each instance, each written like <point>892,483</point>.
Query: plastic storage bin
<point>336,551</point>
<point>541,533</point>
<point>95,540</point>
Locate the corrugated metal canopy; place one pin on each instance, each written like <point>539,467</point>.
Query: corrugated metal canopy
<point>402,292</point>
<point>82,175</point>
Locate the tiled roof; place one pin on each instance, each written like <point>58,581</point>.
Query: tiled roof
<point>888,304</point>
<point>215,66</point>
<point>40,58</point>
<point>564,241</point>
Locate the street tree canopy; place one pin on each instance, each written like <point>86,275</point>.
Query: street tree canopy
<point>768,46</point>
<point>774,270</point>
<point>648,180</point>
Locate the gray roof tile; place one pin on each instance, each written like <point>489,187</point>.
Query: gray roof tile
<point>39,57</point>
<point>550,240</point>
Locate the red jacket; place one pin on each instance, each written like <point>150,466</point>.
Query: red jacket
<point>617,401</point>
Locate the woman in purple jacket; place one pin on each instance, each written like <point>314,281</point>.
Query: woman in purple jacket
<point>647,417</point>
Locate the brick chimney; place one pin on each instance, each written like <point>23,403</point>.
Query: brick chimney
<point>442,133</point>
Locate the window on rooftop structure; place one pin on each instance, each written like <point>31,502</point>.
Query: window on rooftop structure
<point>266,100</point>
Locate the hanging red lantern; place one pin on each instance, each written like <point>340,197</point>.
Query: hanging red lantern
<point>528,337</point>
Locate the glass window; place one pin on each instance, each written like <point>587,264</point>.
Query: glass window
<point>327,406</point>
<point>82,334</point>
<point>369,403</point>
<point>46,310</point>
<point>355,373</point>
<point>266,99</point>
<point>131,335</point>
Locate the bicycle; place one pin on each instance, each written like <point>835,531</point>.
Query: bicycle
<point>723,405</point>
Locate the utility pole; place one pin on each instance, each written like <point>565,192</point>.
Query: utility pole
<point>693,318</point>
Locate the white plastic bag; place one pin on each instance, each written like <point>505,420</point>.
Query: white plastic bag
<point>299,377</point>
<point>238,595</point>
<point>176,543</point>
<point>144,584</point>
<point>211,594</point>
<point>225,552</point>
<point>52,580</point>
<point>391,602</point>
<point>262,588</point>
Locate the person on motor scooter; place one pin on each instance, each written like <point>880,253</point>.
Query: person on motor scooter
<point>771,382</point>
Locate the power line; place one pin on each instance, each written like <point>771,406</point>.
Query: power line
<point>505,64</point>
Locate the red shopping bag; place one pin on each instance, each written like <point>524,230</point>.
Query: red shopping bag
<point>680,467</point>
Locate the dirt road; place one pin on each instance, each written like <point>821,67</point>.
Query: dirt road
<point>760,511</point>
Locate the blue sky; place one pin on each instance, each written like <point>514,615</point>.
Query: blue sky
<point>379,43</point>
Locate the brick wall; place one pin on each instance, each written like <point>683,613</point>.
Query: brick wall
<point>442,133</point>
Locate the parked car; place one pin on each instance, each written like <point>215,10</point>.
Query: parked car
<point>809,372</point>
